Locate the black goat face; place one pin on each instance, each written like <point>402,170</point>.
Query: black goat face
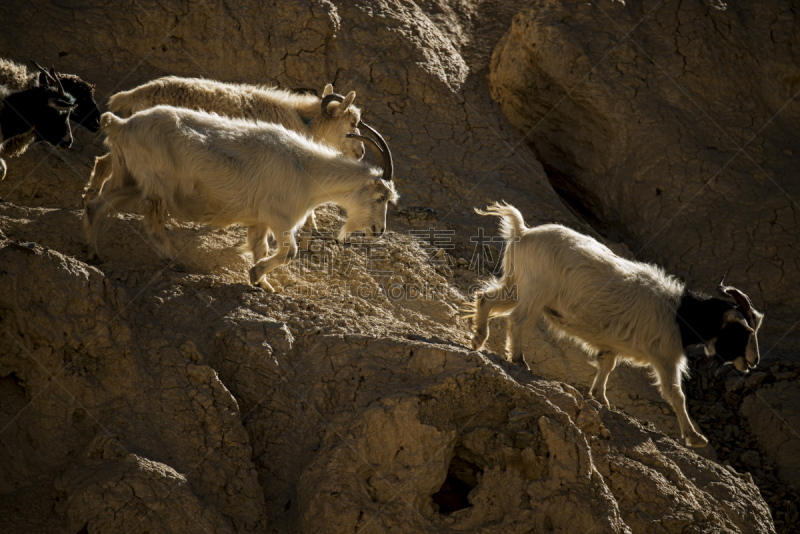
<point>737,341</point>
<point>52,121</point>
<point>45,109</point>
<point>86,113</point>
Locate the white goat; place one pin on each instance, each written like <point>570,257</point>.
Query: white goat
<point>205,168</point>
<point>619,310</point>
<point>328,120</point>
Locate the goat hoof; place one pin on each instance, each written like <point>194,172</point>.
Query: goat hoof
<point>696,440</point>
<point>94,259</point>
<point>178,267</point>
<point>266,286</point>
<point>253,277</point>
<point>594,404</point>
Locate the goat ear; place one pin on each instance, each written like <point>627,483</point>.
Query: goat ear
<point>733,316</point>
<point>61,105</point>
<point>327,91</point>
<point>347,101</point>
<point>341,108</point>
<point>709,348</point>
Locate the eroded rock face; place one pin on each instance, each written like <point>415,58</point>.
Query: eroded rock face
<point>135,399</point>
<point>98,389</point>
<point>772,412</point>
<point>343,433</point>
<point>451,145</point>
<point>670,126</point>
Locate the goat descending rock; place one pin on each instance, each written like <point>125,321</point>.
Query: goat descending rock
<point>38,110</point>
<point>201,167</point>
<point>619,310</point>
<point>328,120</point>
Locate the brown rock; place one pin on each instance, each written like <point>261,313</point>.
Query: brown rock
<point>633,111</point>
<point>772,414</point>
<point>137,399</point>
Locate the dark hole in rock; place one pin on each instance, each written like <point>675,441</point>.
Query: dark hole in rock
<point>462,477</point>
<point>585,205</point>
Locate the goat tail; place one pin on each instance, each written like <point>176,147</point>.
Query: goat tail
<point>122,103</point>
<point>110,125</point>
<point>511,222</point>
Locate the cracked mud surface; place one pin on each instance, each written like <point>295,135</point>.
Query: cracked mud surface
<point>134,398</point>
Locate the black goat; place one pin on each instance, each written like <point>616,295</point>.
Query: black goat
<point>39,112</point>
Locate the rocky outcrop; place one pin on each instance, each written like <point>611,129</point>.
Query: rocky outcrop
<point>772,413</point>
<point>667,125</point>
<point>127,410</point>
<point>139,399</point>
<point>137,431</point>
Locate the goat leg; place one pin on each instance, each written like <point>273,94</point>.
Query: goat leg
<point>606,361</point>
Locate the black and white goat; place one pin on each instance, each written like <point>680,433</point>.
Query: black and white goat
<point>38,112</point>
<point>619,310</point>
<point>201,167</point>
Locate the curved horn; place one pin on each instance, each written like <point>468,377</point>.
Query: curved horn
<point>741,299</point>
<point>383,148</point>
<point>47,78</point>
<point>376,149</point>
<point>61,92</point>
<point>39,67</point>
<point>327,100</point>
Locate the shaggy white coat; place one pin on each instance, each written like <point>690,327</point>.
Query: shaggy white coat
<point>299,112</point>
<point>615,308</point>
<point>205,168</point>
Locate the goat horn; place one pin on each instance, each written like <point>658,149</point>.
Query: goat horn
<point>383,148</point>
<point>61,92</point>
<point>50,79</point>
<point>741,299</point>
<point>40,68</point>
<point>327,100</point>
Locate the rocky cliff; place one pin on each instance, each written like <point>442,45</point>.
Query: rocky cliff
<point>139,399</point>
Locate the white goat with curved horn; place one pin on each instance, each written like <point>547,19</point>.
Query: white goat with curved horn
<point>326,120</point>
<point>201,167</point>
